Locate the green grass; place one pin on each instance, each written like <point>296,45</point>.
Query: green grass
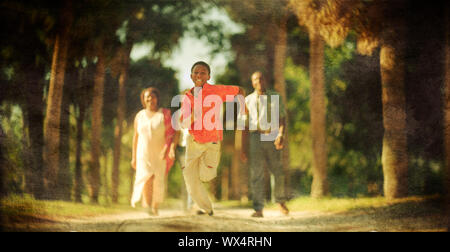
<point>23,208</point>
<point>28,207</point>
<point>336,205</point>
<point>17,208</point>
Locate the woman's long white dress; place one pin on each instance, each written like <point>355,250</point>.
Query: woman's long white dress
<point>151,141</point>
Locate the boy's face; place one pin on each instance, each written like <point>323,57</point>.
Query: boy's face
<point>200,75</point>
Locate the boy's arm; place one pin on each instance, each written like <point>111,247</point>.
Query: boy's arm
<point>228,92</point>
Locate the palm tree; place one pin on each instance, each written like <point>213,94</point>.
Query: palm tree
<point>383,23</point>
<point>319,187</point>
<point>96,131</point>
<point>124,58</point>
<point>54,101</point>
<point>323,22</point>
<point>81,103</point>
<point>447,110</point>
<point>394,155</point>
<point>2,164</point>
<point>377,23</point>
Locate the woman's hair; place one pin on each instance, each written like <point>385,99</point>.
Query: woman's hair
<point>152,90</point>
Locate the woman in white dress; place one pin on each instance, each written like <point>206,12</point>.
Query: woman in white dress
<point>153,135</point>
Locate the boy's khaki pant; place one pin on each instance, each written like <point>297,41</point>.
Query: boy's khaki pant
<point>201,166</point>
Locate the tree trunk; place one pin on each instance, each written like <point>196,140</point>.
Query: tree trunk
<point>270,52</point>
<point>53,115</point>
<point>78,166</point>
<point>96,131</point>
<point>3,188</point>
<point>394,154</point>
<point>446,103</point>
<point>268,59</point>
<point>64,174</point>
<point>105,177</point>
<point>280,87</point>
<point>26,150</point>
<point>54,100</point>
<point>118,132</point>
<point>319,186</point>
<point>81,102</point>
<point>225,180</point>
<point>35,108</point>
<point>280,59</point>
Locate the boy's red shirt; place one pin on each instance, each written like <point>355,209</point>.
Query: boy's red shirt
<point>226,94</point>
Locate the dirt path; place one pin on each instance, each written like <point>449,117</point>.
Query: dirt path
<point>238,220</point>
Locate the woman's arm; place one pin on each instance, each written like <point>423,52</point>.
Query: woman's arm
<point>174,144</point>
<point>135,142</point>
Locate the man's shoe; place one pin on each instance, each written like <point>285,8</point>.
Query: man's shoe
<point>258,214</point>
<point>211,213</point>
<point>283,208</point>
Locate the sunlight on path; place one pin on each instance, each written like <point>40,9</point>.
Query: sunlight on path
<point>169,220</point>
<point>237,219</point>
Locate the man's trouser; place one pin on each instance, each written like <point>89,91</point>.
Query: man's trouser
<point>264,153</point>
<point>201,166</point>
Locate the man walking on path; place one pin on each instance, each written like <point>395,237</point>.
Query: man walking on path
<point>264,135</point>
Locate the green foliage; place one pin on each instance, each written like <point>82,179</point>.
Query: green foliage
<point>298,85</point>
<point>175,181</point>
<point>354,122</point>
<point>149,73</point>
<point>231,76</point>
<point>353,114</point>
<point>11,117</point>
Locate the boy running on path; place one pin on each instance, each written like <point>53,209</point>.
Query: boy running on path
<point>202,106</point>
